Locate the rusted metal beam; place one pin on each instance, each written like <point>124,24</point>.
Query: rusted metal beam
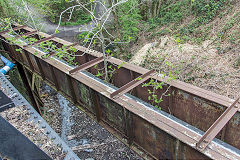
<point>164,122</point>
<point>27,86</point>
<point>14,29</point>
<point>97,106</point>
<point>128,123</point>
<point>26,34</point>
<point>87,65</point>
<point>29,61</point>
<point>41,40</point>
<point>40,69</point>
<point>71,45</point>
<point>217,126</point>
<point>134,83</point>
<point>53,53</point>
<point>54,78</point>
<point>70,84</point>
<point>3,32</point>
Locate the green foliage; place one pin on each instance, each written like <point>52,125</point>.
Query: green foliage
<point>229,24</point>
<point>129,18</point>
<point>204,12</point>
<point>80,19</point>
<point>53,9</point>
<point>6,9</point>
<point>207,9</point>
<point>170,12</point>
<point>60,52</point>
<point>5,24</point>
<point>111,70</point>
<point>166,70</point>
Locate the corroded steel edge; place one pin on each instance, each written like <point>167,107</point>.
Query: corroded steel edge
<point>87,65</point>
<point>184,134</point>
<point>19,100</point>
<point>219,99</point>
<point>217,126</point>
<point>134,83</point>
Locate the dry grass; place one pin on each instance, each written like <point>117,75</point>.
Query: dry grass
<point>200,65</point>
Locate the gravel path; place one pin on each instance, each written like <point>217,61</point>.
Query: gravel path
<point>85,136</point>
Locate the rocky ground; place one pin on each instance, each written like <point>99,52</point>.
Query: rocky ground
<point>85,136</point>
<point>19,117</point>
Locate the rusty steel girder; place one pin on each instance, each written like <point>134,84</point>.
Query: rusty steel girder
<point>218,125</point>
<point>26,34</point>
<point>134,83</point>
<point>87,65</point>
<point>14,29</point>
<point>168,134</point>
<point>40,41</point>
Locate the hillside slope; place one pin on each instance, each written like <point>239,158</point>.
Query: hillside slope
<point>208,57</point>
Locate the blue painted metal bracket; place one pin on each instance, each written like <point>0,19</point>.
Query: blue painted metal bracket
<point>8,65</point>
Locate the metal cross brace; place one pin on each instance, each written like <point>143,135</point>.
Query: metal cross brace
<point>26,34</point>
<point>53,53</point>
<point>217,126</point>
<point>71,45</point>
<point>87,65</point>
<point>134,83</point>
<point>14,29</point>
<point>41,40</point>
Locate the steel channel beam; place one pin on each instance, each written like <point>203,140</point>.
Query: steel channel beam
<point>87,65</point>
<point>54,78</point>
<point>28,87</point>
<point>26,34</point>
<point>159,120</point>
<point>67,48</point>
<point>218,125</point>
<point>71,45</point>
<point>14,29</point>
<point>166,124</point>
<point>134,83</point>
<point>97,106</point>
<point>216,98</point>
<point>214,150</point>
<point>40,69</point>
<point>70,85</point>
<point>41,40</point>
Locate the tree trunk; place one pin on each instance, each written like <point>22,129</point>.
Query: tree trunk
<point>116,22</point>
<point>159,7</point>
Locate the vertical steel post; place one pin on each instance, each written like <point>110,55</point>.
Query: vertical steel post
<point>28,87</point>
<point>70,85</point>
<point>97,106</point>
<point>128,122</point>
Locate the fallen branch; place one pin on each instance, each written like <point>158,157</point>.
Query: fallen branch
<point>87,146</point>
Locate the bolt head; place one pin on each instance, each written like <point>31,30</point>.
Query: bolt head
<point>205,141</point>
